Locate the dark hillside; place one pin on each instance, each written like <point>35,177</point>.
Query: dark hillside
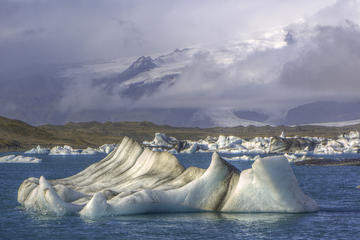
<point>16,135</point>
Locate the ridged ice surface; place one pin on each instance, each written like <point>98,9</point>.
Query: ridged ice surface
<point>133,180</point>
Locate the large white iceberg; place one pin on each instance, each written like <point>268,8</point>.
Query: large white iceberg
<point>19,159</point>
<point>133,180</point>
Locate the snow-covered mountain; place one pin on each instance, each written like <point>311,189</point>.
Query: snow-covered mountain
<point>204,85</point>
<point>135,80</point>
<point>135,77</point>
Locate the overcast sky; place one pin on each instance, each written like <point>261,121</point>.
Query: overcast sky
<point>320,62</point>
<point>66,31</point>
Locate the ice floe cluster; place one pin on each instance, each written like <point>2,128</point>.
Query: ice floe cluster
<point>19,159</point>
<point>226,144</point>
<point>345,143</point>
<point>291,147</point>
<point>68,150</point>
<point>134,180</point>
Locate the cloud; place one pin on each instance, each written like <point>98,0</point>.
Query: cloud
<point>318,58</point>
<point>321,62</point>
<point>329,64</point>
<point>83,30</point>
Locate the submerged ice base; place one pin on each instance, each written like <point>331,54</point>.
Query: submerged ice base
<point>133,180</point>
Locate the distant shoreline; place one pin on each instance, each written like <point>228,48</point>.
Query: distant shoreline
<point>16,135</point>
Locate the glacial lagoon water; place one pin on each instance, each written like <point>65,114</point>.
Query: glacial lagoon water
<point>334,189</point>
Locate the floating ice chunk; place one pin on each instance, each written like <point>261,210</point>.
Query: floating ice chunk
<point>106,148</point>
<point>256,145</point>
<point>65,150</point>
<point>192,149</point>
<point>291,144</point>
<point>294,158</point>
<point>44,199</point>
<point>89,151</point>
<point>221,142</point>
<point>162,140</point>
<point>269,186</point>
<point>19,159</point>
<point>38,150</point>
<point>351,135</point>
<point>133,180</point>
<point>68,150</point>
<point>228,142</point>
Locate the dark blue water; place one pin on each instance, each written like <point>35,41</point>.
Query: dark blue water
<point>334,188</point>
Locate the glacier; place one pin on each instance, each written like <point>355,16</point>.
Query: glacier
<point>135,180</point>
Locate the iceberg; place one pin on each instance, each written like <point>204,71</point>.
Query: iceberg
<point>88,151</point>
<point>68,150</point>
<point>162,140</point>
<point>19,159</point>
<point>192,149</point>
<point>38,150</point>
<point>345,143</point>
<point>106,148</point>
<point>279,144</point>
<point>65,150</point>
<point>136,180</point>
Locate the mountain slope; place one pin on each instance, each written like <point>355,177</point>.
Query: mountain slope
<point>16,135</point>
<point>323,112</point>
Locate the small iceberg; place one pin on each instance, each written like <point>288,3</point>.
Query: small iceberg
<point>19,159</point>
<point>106,148</point>
<point>65,150</point>
<point>68,150</point>
<point>38,150</point>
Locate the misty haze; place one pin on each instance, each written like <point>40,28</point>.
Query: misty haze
<point>137,62</point>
